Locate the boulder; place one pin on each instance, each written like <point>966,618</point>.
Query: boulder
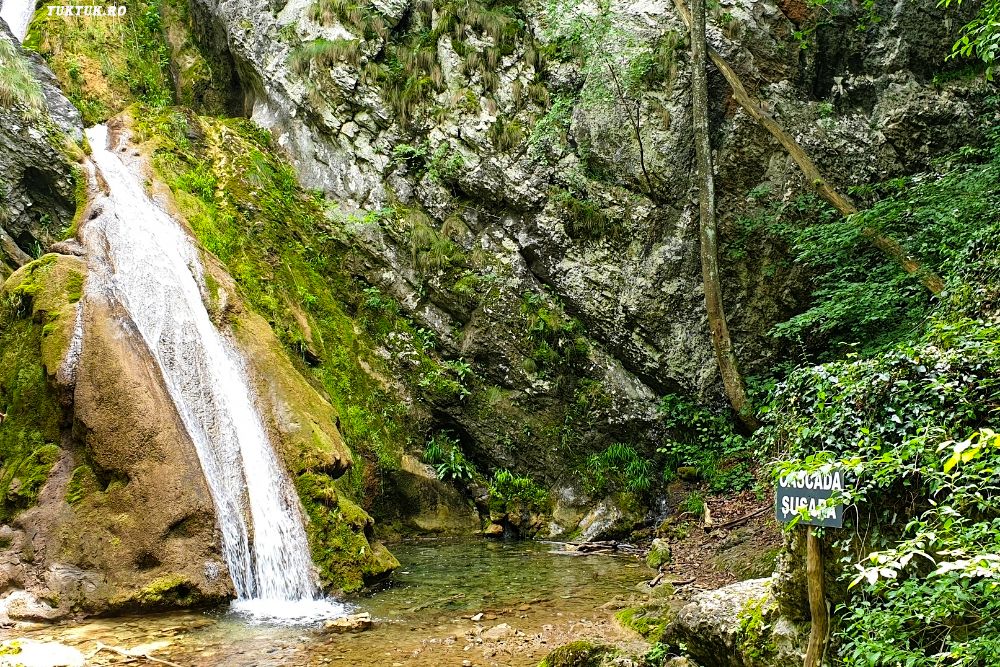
<point>659,553</point>
<point>736,626</point>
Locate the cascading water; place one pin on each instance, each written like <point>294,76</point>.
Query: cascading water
<point>141,259</point>
<point>17,14</point>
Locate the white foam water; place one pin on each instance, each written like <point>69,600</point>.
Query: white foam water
<point>142,260</point>
<point>17,14</point>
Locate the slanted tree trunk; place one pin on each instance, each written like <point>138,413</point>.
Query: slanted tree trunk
<point>732,380</point>
<point>887,245</point>
<point>10,249</point>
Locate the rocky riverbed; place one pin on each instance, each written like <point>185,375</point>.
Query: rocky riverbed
<point>453,602</point>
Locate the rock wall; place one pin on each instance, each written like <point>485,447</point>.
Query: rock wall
<point>559,173</point>
<point>37,182</point>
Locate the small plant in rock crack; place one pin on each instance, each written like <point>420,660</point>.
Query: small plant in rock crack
<point>444,453</point>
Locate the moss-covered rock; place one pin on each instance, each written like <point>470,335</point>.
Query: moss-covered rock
<point>650,619</point>
<point>736,626</point>
<point>417,502</point>
<point>37,316</point>
<point>342,537</point>
<point>577,654</point>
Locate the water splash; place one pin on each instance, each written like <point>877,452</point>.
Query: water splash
<point>17,14</point>
<point>142,260</point>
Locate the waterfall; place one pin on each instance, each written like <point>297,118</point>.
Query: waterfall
<point>142,260</point>
<point>17,14</point>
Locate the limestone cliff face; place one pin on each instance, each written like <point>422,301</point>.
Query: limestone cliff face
<point>524,166</point>
<point>36,177</point>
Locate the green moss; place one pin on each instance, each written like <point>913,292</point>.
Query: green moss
<point>576,654</point>
<point>162,593</point>
<point>755,640</point>
<point>340,534</point>
<point>82,482</point>
<point>81,197</point>
<point>649,621</point>
<point>29,434</point>
<point>74,287</point>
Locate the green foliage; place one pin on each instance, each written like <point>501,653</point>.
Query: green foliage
<point>506,135</point>
<point>549,136</point>
<point>106,64</point>
<point>914,421</point>
<point>431,250</point>
<point>402,62</point>
<point>559,340</point>
<point>657,655</point>
<point>583,218</point>
<point>693,503</point>
<point>18,87</point>
<point>707,440</point>
<point>447,381</point>
<point>861,298</point>
<point>510,493</point>
<point>444,452</point>
<point>326,53</point>
<point>619,468</point>
<point>980,37</point>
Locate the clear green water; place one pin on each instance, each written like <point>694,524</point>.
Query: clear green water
<point>424,615</point>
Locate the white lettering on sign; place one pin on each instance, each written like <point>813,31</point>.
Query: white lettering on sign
<point>815,498</point>
<point>818,508</point>
<point>818,481</point>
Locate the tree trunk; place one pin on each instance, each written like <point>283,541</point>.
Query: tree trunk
<point>887,245</point>
<point>10,249</point>
<point>732,380</point>
<point>820,618</point>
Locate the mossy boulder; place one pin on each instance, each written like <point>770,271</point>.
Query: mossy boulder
<point>737,626</point>
<point>577,654</point>
<point>37,315</point>
<point>133,506</point>
<point>650,619</point>
<point>417,502</point>
<point>342,537</point>
<point>107,498</point>
<point>659,553</point>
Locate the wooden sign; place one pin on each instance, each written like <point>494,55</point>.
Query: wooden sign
<point>807,495</point>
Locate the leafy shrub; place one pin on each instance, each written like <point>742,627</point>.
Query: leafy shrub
<point>694,503</point>
<point>706,440</point>
<point>448,380</point>
<point>860,298</point>
<point>910,409</point>
<point>619,468</point>
<point>510,492</point>
<point>444,453</point>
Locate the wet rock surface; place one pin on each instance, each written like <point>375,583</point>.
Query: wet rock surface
<point>36,173</point>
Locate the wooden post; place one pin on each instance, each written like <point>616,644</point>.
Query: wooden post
<point>817,601</point>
